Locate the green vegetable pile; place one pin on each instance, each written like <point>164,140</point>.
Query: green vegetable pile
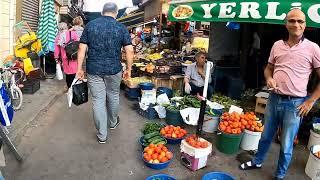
<point>185,102</point>
<point>225,101</point>
<point>153,138</point>
<point>152,127</point>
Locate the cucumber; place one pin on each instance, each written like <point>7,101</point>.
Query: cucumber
<point>154,138</point>
<point>157,140</point>
<point>151,135</point>
<point>161,142</point>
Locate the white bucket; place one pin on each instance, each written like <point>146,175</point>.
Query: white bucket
<point>313,164</point>
<point>210,123</point>
<point>250,140</point>
<point>314,139</point>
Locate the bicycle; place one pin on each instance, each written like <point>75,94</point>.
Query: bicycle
<point>12,84</point>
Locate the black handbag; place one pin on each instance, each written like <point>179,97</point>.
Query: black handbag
<point>80,93</point>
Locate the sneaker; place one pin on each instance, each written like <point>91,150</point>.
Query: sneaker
<point>101,141</point>
<point>117,124</point>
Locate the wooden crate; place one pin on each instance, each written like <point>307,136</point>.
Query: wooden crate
<point>261,105</point>
<point>161,82</point>
<point>176,82</point>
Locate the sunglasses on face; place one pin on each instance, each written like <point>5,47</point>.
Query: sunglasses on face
<point>293,21</point>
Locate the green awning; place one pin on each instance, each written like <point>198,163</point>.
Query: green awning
<point>255,11</point>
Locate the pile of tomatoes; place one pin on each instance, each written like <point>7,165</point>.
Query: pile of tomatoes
<point>173,132</point>
<point>157,154</point>
<point>235,123</point>
<point>250,122</point>
<point>195,142</point>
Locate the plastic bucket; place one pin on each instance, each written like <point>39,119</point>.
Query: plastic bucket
<point>146,86</point>
<point>228,143</point>
<point>217,176</point>
<point>210,123</point>
<point>313,164</point>
<point>174,118</point>
<point>250,140</point>
<point>160,177</point>
<point>314,139</point>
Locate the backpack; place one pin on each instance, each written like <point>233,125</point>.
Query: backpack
<point>72,49</point>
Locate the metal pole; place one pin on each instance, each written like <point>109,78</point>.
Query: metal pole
<point>204,98</point>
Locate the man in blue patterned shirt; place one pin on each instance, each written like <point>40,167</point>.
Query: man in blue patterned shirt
<point>103,38</point>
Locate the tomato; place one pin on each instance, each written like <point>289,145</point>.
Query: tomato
<point>165,149</point>
<point>158,149</point>
<point>162,132</point>
<point>146,149</point>
<point>147,157</point>
<point>149,151</point>
<point>151,145</point>
<point>204,144</point>
<point>164,159</point>
<point>154,156</point>
<point>169,155</point>
<point>174,135</point>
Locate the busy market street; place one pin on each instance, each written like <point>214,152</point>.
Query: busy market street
<point>56,146</point>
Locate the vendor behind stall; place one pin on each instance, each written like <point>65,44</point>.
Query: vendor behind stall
<point>195,75</point>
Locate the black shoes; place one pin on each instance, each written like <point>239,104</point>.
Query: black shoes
<point>117,124</point>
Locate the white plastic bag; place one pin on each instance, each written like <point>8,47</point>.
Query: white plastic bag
<point>187,88</point>
<point>148,96</point>
<point>190,115</point>
<point>59,73</point>
<point>161,111</point>
<point>163,99</point>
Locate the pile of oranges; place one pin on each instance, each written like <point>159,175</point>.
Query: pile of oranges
<point>235,123</point>
<point>173,132</point>
<point>194,141</point>
<point>157,154</point>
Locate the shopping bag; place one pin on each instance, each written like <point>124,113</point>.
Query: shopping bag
<point>70,93</point>
<point>6,108</point>
<point>59,73</point>
<point>80,92</point>
<point>27,65</point>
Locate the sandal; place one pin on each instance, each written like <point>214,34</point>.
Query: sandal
<point>249,165</point>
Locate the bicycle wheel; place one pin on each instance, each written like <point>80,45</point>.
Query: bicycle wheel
<point>16,97</point>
